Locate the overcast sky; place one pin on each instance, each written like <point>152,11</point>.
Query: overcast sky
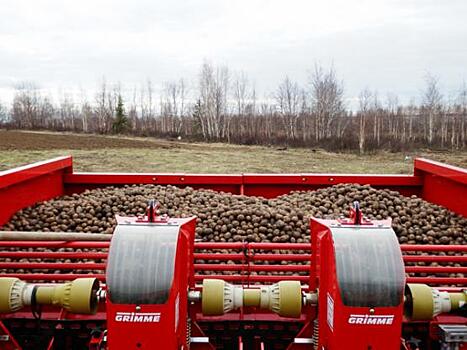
<point>386,45</point>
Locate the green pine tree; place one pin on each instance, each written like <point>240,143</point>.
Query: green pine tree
<point>196,128</point>
<point>120,124</point>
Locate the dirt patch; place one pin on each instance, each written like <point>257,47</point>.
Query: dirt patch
<point>19,140</point>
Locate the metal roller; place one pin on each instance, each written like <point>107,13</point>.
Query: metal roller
<point>423,302</point>
<point>219,297</point>
<point>141,263</point>
<point>78,296</point>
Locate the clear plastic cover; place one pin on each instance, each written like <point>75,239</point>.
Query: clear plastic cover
<point>141,263</point>
<point>370,269</point>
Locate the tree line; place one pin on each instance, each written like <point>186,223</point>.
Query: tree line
<point>224,106</point>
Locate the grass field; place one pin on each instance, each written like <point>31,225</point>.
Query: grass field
<point>122,154</point>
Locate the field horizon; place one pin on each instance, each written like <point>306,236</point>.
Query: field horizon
<point>148,154</point>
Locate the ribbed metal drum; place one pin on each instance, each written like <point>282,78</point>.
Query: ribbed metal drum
<point>141,263</point>
<point>369,264</point>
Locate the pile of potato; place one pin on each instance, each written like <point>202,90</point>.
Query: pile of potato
<point>223,217</point>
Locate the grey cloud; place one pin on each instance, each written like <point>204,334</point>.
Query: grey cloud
<point>386,45</point>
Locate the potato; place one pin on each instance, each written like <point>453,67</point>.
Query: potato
<point>224,217</point>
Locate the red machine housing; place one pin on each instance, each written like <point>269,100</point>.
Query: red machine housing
<point>162,325</point>
<point>356,306</point>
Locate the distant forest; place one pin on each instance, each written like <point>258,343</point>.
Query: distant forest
<point>222,106</point>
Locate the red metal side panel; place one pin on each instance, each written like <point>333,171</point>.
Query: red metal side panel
<point>78,182</point>
<point>24,186</point>
<point>268,185</point>
<point>438,183</point>
<point>443,184</point>
<point>265,185</point>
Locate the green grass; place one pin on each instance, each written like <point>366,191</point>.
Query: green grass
<point>165,156</point>
<point>235,160</point>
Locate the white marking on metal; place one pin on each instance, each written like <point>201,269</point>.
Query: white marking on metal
<point>330,312</point>
<point>303,341</point>
<point>204,340</point>
<point>143,317</point>
<point>177,311</point>
<point>379,320</point>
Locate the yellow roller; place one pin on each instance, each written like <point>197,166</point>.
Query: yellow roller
<point>290,299</point>
<point>283,298</point>
<point>9,293</point>
<point>212,299</point>
<point>423,302</point>
<point>251,297</point>
<point>78,296</point>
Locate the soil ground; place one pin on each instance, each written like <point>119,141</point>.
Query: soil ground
<point>129,154</point>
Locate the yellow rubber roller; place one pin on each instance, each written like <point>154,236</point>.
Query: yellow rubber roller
<point>419,304</point>
<point>289,299</point>
<point>283,298</point>
<point>423,302</point>
<point>10,287</point>
<point>458,300</point>
<point>212,301</point>
<point>251,297</point>
<point>78,296</point>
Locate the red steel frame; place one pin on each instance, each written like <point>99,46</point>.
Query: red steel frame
<point>248,260</point>
<point>449,180</point>
<point>24,186</point>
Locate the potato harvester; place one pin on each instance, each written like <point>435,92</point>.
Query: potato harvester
<point>351,292</point>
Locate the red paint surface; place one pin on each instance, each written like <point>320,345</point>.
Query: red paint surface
<point>443,184</point>
<point>25,186</point>
<point>246,256</point>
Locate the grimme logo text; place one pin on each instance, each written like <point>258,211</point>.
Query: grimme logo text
<point>138,316</point>
<point>371,319</point>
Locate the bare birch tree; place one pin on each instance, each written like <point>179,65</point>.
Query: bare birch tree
<point>287,97</point>
<point>3,113</point>
<point>432,100</point>
<point>365,98</point>
<point>147,106</point>
<point>392,106</point>
<point>173,105</point>
<point>463,112</point>
<point>213,91</point>
<point>327,100</point>
<point>26,106</point>
<point>103,111</point>
<point>376,107</point>
<point>229,111</point>
<point>68,112</point>
<point>241,92</point>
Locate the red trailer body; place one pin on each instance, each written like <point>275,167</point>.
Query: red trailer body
<point>21,187</point>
